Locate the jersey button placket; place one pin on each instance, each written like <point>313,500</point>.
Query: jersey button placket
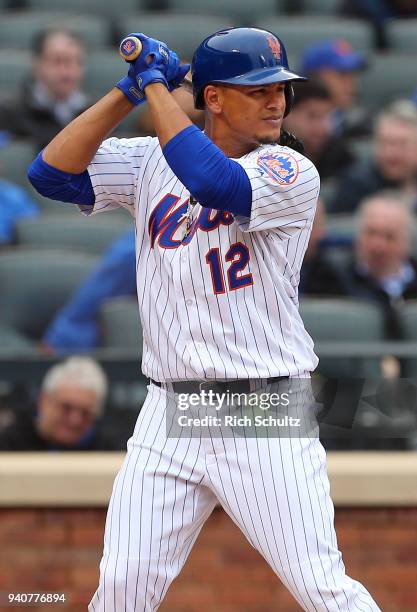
<point>188,315</point>
<point>181,288</point>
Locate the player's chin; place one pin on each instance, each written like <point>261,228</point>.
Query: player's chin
<point>269,135</point>
<point>269,138</point>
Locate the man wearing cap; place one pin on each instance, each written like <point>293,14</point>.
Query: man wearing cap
<point>336,64</point>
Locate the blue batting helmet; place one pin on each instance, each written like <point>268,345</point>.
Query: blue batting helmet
<point>242,56</point>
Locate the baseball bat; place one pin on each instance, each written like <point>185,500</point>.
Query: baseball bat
<point>131,47</point>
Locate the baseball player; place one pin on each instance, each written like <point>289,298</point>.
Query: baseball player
<point>222,220</point>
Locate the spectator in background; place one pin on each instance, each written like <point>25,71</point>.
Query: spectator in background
<point>393,164</point>
<point>382,269</point>
<point>51,96</point>
<point>311,121</point>
<point>69,406</point>
<point>337,65</point>
<point>76,326</point>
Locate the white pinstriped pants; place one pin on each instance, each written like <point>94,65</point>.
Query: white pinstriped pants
<point>275,489</point>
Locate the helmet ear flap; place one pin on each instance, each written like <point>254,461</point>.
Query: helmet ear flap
<point>289,98</point>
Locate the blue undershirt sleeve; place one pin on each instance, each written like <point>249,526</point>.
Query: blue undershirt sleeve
<point>58,185</point>
<point>213,179</point>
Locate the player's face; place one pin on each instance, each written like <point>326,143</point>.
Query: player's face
<point>252,115</point>
<point>383,242</point>
<point>66,414</point>
<point>60,67</point>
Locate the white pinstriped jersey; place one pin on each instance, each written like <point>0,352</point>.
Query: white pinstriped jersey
<point>222,302</point>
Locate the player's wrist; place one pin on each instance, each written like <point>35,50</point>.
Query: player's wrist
<point>151,76</point>
<point>156,87</point>
<point>130,89</point>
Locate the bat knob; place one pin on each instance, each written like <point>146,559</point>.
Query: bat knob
<point>130,48</point>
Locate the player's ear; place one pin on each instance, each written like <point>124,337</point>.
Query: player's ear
<point>213,98</point>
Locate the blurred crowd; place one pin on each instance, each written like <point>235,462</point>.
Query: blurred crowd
<point>362,245</point>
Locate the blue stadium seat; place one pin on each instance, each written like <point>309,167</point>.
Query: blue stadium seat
<point>182,33</point>
<point>14,68</point>
<point>120,326</point>
<point>75,233</point>
<point>14,343</point>
<point>14,160</point>
<point>35,284</point>
<point>390,76</point>
<point>321,7</point>
<point>17,30</point>
<point>103,69</point>
<point>409,324</point>
<point>95,7</point>
<point>343,320</point>
<point>241,12</point>
<point>47,206</point>
<point>402,35</point>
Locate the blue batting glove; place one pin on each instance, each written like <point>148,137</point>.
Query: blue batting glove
<point>151,75</point>
<point>129,86</point>
<point>133,85</point>
<point>171,75</point>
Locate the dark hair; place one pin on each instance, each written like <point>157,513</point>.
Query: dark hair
<point>310,90</point>
<point>287,139</point>
<point>40,39</point>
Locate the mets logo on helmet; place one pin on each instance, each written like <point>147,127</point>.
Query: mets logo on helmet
<point>274,46</point>
<point>280,167</point>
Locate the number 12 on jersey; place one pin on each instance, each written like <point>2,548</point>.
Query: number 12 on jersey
<point>238,255</point>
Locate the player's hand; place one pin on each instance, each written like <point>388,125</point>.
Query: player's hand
<point>129,86</point>
<point>133,85</point>
<point>156,58</point>
<point>155,64</point>
<point>155,54</point>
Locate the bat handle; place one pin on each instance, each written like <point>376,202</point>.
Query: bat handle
<point>130,48</point>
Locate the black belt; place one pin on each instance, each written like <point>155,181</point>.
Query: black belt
<point>240,385</point>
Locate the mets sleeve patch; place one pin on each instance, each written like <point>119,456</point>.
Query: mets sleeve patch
<point>280,167</point>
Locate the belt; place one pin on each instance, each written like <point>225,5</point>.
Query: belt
<point>240,385</point>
